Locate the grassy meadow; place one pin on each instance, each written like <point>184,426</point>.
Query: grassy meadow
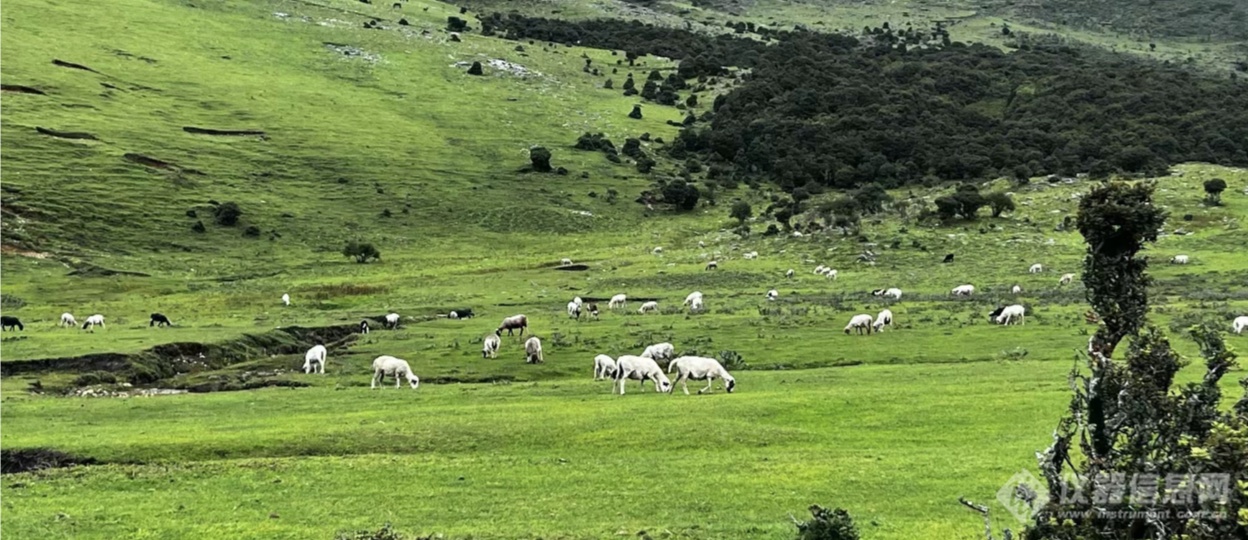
<point>396,145</point>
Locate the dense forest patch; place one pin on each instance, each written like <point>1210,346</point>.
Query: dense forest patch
<point>816,110</point>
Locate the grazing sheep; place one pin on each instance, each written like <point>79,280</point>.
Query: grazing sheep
<point>773,294</point>
<point>1240,324</point>
<point>93,321</point>
<point>1036,268</point>
<point>593,310</point>
<point>649,307</point>
<point>8,322</point>
<point>700,368</point>
<point>159,320</point>
<point>286,299</point>
<point>1006,315</point>
<point>1179,259</point>
<point>392,321</point>
<point>963,290</point>
<point>860,323</point>
<point>604,367</point>
<point>489,348</point>
<point>885,318</point>
<point>398,368</point>
<point>453,315</point>
<point>1066,279</point>
<point>574,310</point>
<point>640,369</point>
<point>533,351</point>
<point>789,274</point>
<point>713,265</point>
<point>511,323</point>
<point>701,244</point>
<point>315,358</point>
<point>465,313</point>
<point>696,306</point>
<point>658,251</point>
<point>819,270</point>
<point>67,319</point>
<point>948,258</point>
<point>566,261</point>
<point>364,326</point>
<point>831,273</point>
<point>695,295</point>
<point>750,255</point>
<point>617,301</point>
<point>894,293</point>
<point>659,351</point>
<point>1016,289</point>
<point>578,301</point>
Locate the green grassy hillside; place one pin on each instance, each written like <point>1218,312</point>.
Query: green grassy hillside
<point>395,144</point>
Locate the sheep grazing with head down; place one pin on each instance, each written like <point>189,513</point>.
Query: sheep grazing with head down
<point>593,311</point>
<point>604,367</point>
<point>693,296</point>
<point>566,261</point>
<point>658,251</point>
<point>389,366</point>
<point>860,324</point>
<point>885,318</point>
<point>1179,259</point>
<point>893,293</point>
<point>1240,324</point>
<point>314,359</point>
<point>713,265</point>
<point>789,274</point>
<point>512,323</point>
<point>617,301</point>
<point>94,321</point>
<point>963,290</point>
<point>642,369</point>
<point>392,321</point>
<point>574,310</point>
<point>1036,268</point>
<point>9,322</point>
<point>773,294</point>
<point>696,306</point>
<point>67,319</point>
<point>830,273</point>
<point>1066,279</point>
<point>700,368</point>
<point>533,351</point>
<point>159,320</point>
<point>1016,289</point>
<point>819,270</point>
<point>649,307</point>
<point>489,347</point>
<point>1007,315</point>
<point>659,351</point>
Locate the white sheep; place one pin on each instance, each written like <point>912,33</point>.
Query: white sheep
<point>640,369</point>
<point>963,290</point>
<point>750,255</point>
<point>893,293</point>
<point>617,301</point>
<point>1016,289</point>
<point>286,299</point>
<point>885,318</point>
<point>648,307</point>
<point>658,251</point>
<point>713,265</point>
<point>789,274</point>
<point>659,351</point>
<point>453,315</point>
<point>830,273</point>
<point>1179,259</point>
<point>1066,278</point>
<point>773,294</point>
<point>1240,324</point>
<point>578,301</point>
<point>93,321</point>
<point>574,310</point>
<point>392,321</point>
<point>67,319</point>
<point>511,323</point>
<point>859,323</point>
<point>696,306</point>
<point>385,365</point>
<point>701,368</point>
<point>533,351</point>
<point>604,367</point>
<point>1007,315</point>
<point>695,295</point>
<point>489,347</point>
<point>566,261</point>
<point>315,358</point>
<point>1036,268</point>
<point>819,270</point>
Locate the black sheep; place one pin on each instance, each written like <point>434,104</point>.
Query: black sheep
<point>159,320</point>
<point>949,258</point>
<point>9,323</point>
